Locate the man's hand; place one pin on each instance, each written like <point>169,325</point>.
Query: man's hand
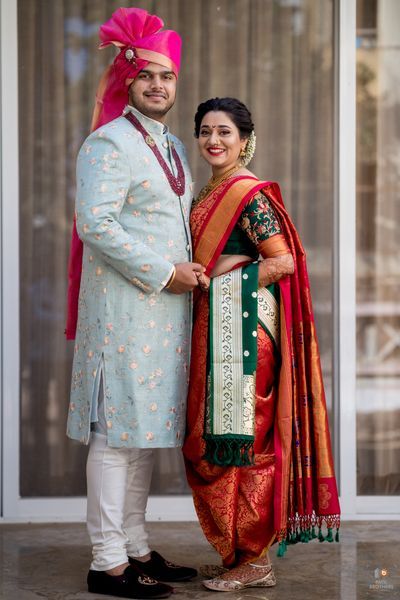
<point>185,278</point>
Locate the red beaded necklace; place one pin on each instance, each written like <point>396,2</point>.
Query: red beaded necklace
<point>177,183</point>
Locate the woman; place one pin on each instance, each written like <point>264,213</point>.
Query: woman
<point>257,450</point>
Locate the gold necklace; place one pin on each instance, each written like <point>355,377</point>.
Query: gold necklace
<point>214,182</point>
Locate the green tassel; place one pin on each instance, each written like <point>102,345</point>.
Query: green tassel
<point>313,534</point>
<point>298,536</point>
<point>293,539</point>
<point>290,539</point>
<point>337,535</point>
<point>281,549</point>
<point>329,537</point>
<point>320,536</point>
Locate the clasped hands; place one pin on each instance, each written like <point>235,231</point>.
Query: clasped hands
<point>187,277</point>
<point>203,281</point>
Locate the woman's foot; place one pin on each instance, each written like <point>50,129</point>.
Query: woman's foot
<point>244,576</point>
<point>212,570</point>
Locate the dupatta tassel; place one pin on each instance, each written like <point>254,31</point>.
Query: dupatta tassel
<point>329,537</point>
<point>320,536</point>
<point>281,549</point>
<point>303,529</point>
<point>333,522</point>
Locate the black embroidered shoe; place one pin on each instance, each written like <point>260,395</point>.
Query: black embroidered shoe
<point>163,570</point>
<point>133,583</point>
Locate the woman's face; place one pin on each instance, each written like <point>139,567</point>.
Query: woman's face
<point>219,141</point>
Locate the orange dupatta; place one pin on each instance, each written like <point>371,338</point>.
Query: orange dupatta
<point>305,492</point>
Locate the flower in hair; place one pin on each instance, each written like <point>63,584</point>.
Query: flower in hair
<point>249,149</point>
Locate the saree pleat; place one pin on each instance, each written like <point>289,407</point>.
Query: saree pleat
<point>233,504</point>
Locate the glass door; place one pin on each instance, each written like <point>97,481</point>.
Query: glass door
<point>278,57</point>
<point>378,250</point>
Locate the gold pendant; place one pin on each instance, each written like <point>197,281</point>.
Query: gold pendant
<point>149,141</point>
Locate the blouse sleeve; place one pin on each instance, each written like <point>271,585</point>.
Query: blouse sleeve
<point>258,219</point>
<point>260,223</point>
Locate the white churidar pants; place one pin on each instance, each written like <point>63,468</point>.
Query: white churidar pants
<point>118,483</point>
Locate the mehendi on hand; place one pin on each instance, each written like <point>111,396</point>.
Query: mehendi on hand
<point>272,270</point>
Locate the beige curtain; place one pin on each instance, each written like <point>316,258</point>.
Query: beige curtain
<point>277,56</point>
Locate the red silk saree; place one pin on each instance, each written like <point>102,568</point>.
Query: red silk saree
<point>290,487</point>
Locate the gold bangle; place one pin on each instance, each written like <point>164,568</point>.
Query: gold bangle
<point>171,279</point>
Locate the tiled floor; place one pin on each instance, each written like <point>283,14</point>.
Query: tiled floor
<point>50,562</point>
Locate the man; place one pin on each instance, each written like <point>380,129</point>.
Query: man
<point>130,368</point>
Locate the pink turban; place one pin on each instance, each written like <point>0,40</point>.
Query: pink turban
<point>141,40</point>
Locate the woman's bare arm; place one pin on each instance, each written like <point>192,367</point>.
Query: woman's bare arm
<point>270,270</point>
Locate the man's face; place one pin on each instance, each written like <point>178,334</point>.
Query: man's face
<point>153,91</point>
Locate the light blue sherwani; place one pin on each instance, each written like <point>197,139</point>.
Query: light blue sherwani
<point>131,332</point>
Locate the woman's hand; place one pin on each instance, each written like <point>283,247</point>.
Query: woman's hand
<point>204,282</point>
<point>271,270</point>
<point>185,278</point>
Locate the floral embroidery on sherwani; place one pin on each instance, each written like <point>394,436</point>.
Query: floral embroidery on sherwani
<point>131,332</point>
